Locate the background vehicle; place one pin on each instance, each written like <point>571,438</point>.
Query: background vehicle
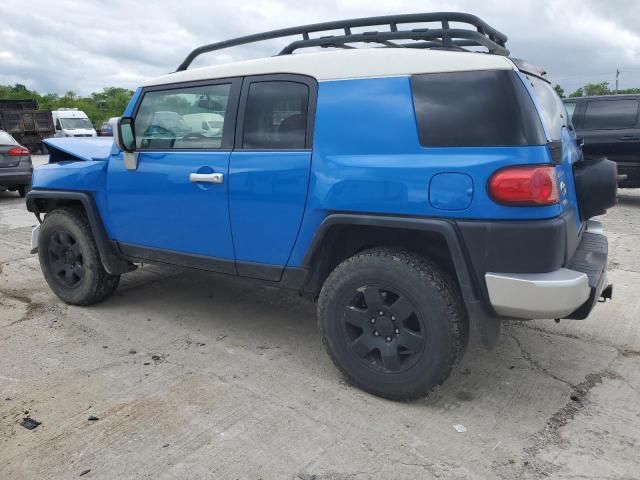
<point>610,127</point>
<point>71,122</point>
<point>28,125</point>
<point>207,124</point>
<point>106,130</point>
<point>15,165</point>
<point>441,194</point>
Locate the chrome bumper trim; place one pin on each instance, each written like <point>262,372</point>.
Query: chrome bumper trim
<point>537,295</point>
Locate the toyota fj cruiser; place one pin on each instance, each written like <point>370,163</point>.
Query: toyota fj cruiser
<point>414,190</point>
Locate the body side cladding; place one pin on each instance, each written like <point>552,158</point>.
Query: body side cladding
<point>291,277</point>
<point>42,201</point>
<point>488,323</point>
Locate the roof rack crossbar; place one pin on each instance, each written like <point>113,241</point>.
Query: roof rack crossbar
<point>483,36</point>
<point>444,39</point>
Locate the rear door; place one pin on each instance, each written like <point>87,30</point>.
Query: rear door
<point>269,171</point>
<point>610,129</point>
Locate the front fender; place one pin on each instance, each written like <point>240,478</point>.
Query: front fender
<point>79,175</point>
<point>42,201</point>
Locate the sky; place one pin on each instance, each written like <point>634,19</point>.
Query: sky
<point>86,45</point>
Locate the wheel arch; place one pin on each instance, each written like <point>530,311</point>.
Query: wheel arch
<point>342,235</point>
<point>45,201</point>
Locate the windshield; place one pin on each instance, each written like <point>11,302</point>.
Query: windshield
<point>6,139</point>
<point>75,123</point>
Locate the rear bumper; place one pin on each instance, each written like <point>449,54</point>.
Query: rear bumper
<point>13,176</point>
<point>537,295</point>
<point>568,292</point>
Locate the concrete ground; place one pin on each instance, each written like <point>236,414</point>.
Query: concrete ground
<point>194,376</point>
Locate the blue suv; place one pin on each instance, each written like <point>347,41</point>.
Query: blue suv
<point>413,190</point>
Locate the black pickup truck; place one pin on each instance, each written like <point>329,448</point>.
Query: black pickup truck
<point>610,127</point>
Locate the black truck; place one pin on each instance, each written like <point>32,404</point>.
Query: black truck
<point>27,124</point>
<point>610,127</point>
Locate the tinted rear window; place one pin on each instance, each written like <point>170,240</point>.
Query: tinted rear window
<point>610,114</point>
<point>571,108</point>
<point>484,108</point>
<point>552,109</point>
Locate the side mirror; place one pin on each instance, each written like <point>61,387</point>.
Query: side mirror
<point>125,139</point>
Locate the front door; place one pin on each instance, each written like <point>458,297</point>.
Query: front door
<point>174,206</point>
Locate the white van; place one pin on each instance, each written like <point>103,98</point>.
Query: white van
<point>71,122</point>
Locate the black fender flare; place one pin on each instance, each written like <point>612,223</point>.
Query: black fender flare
<point>114,263</point>
<point>487,322</point>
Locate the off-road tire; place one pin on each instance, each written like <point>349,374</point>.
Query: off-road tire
<point>438,310</point>
<point>95,284</point>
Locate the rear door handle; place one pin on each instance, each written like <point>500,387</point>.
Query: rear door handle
<point>206,177</point>
<point>629,137</point>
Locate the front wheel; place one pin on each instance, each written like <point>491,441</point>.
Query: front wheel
<point>70,260</point>
<point>393,322</point>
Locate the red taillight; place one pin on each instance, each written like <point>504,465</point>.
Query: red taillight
<point>17,152</point>
<point>525,186</point>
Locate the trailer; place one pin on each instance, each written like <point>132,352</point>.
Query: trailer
<point>27,124</point>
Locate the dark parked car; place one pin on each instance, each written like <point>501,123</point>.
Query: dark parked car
<point>610,126</point>
<point>106,130</point>
<point>15,165</point>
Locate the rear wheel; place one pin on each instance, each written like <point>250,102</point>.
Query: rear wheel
<point>70,260</point>
<point>23,190</point>
<point>392,322</point>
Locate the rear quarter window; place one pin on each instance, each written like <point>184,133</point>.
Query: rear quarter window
<point>571,109</point>
<point>553,111</point>
<point>480,108</point>
<point>610,114</point>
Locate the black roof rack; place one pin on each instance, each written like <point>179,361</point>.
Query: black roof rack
<point>445,37</point>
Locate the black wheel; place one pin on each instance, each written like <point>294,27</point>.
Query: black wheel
<point>393,322</point>
<point>70,260</point>
<point>23,190</point>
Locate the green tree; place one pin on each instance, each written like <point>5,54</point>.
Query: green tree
<point>559,90</point>
<point>578,92</point>
<point>629,90</point>
<point>99,106</point>
<point>602,88</point>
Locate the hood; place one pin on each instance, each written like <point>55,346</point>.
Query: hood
<point>74,149</point>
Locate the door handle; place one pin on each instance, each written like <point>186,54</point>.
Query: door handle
<point>206,177</point>
<point>629,137</point>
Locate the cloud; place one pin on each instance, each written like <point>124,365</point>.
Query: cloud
<point>85,46</point>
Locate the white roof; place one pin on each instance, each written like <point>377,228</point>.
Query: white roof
<point>347,64</point>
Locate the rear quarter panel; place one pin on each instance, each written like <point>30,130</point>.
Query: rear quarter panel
<point>367,158</point>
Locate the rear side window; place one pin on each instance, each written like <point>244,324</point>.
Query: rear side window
<point>552,109</point>
<point>276,115</point>
<point>571,108</point>
<point>6,139</point>
<point>610,114</point>
<point>483,108</point>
